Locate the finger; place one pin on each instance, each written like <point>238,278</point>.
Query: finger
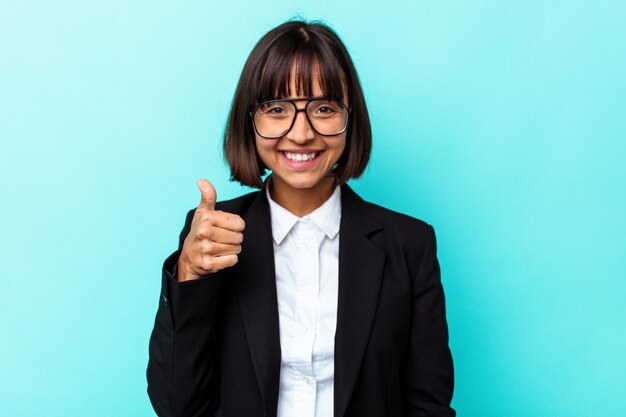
<point>221,262</point>
<point>209,196</point>
<point>221,235</point>
<point>226,220</point>
<point>219,249</point>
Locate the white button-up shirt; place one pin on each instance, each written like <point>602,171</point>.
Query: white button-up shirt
<point>306,257</point>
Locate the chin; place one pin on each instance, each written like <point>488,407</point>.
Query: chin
<point>303,183</point>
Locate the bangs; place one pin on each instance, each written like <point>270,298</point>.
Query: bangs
<point>303,60</point>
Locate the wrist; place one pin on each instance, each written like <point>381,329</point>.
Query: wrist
<point>183,272</point>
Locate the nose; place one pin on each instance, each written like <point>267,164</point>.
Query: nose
<point>301,131</point>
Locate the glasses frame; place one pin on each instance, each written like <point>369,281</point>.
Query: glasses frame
<point>309,100</point>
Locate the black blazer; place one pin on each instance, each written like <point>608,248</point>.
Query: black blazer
<point>215,347</point>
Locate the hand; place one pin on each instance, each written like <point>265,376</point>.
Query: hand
<point>213,241</point>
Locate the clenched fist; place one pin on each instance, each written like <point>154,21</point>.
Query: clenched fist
<point>213,241</point>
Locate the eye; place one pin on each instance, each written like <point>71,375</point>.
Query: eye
<point>274,109</point>
<point>326,108</point>
<point>277,109</point>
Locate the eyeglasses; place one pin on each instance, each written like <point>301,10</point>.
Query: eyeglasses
<point>273,119</point>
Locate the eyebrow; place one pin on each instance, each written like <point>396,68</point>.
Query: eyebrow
<point>306,98</point>
<point>300,98</point>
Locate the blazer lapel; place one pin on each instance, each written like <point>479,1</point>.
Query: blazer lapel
<point>360,275</point>
<point>256,288</point>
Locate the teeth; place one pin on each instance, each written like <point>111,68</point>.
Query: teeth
<point>300,157</point>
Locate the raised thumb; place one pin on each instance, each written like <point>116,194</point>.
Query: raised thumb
<point>208,195</point>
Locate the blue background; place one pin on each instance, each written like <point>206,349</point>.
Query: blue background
<point>501,123</point>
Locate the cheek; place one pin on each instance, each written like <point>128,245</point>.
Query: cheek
<point>338,148</point>
<point>264,150</point>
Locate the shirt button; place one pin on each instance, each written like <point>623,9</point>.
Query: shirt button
<point>306,330</point>
<point>307,240</point>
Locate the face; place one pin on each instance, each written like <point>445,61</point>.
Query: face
<point>289,157</point>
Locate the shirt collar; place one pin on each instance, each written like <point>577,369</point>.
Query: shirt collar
<point>327,216</point>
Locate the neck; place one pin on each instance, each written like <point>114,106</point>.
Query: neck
<point>301,201</point>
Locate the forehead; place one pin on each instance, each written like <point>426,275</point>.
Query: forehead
<point>301,75</point>
<point>305,88</point>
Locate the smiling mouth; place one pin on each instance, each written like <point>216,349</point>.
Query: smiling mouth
<point>301,157</point>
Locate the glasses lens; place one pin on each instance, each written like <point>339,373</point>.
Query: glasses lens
<point>273,119</point>
<point>329,117</point>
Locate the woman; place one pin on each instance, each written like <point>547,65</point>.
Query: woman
<point>300,299</point>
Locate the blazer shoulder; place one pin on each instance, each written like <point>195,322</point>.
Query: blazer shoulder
<point>396,221</point>
<point>404,236</point>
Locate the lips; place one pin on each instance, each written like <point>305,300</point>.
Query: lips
<point>300,160</point>
<point>301,157</point>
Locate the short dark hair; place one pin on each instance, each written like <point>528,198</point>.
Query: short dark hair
<point>266,75</point>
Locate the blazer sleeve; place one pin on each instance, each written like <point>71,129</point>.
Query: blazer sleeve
<point>429,374</point>
<point>182,369</point>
